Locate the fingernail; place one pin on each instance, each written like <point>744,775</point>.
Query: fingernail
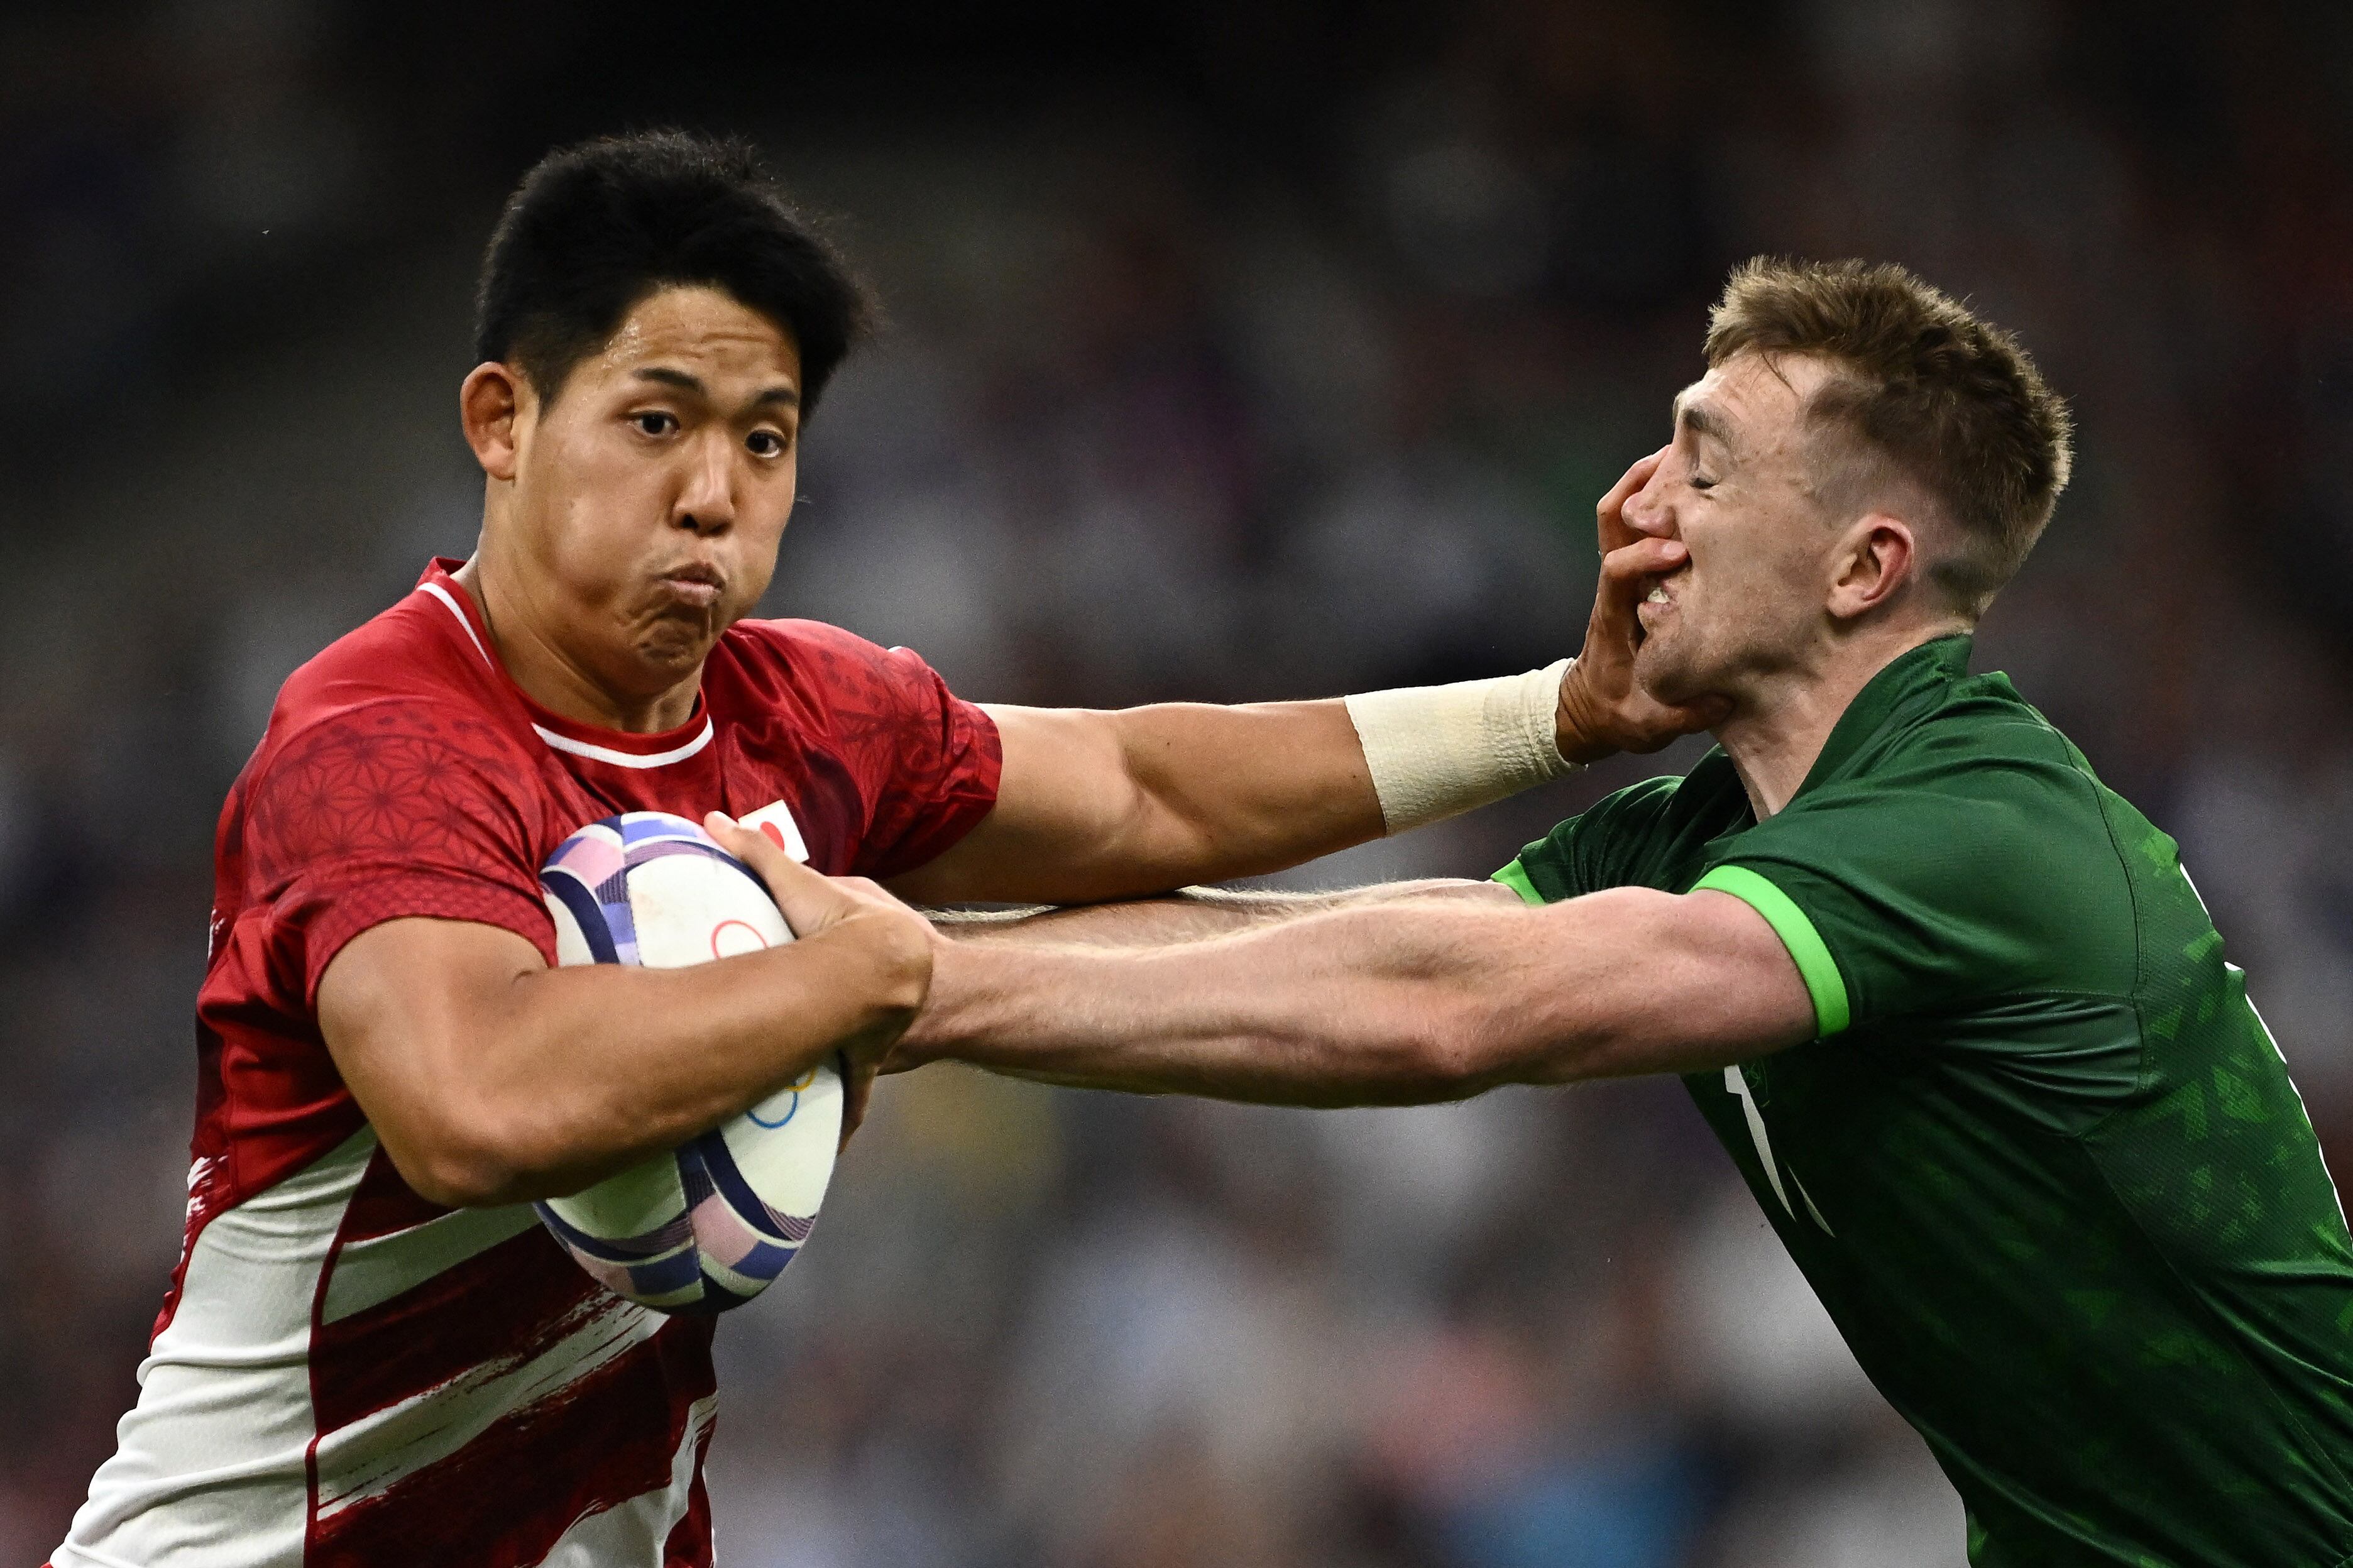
<point>720,817</point>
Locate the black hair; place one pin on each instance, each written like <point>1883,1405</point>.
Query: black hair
<point>596,229</point>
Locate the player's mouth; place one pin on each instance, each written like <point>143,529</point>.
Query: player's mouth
<point>695,582</point>
<point>1660,598</point>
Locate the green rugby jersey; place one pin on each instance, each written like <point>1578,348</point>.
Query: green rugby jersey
<point>2044,1165</point>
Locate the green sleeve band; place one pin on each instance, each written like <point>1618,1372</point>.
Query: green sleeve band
<point>1815,965</point>
<point>1515,876</point>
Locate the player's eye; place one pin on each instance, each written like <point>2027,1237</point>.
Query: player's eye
<point>654,421</point>
<point>1702,482</point>
<point>767,444</point>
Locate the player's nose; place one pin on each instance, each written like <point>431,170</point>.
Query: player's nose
<point>1646,512</point>
<point>706,501</point>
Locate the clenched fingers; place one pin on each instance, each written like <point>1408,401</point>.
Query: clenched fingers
<point>1623,572</point>
<point>1643,558</point>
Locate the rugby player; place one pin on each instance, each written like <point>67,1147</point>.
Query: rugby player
<point>370,1352</point>
<point>1953,1006</point>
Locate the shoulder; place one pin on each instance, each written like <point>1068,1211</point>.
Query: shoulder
<point>1705,801</point>
<point>822,681</point>
<point>416,653</point>
<point>385,739</point>
<point>813,647</point>
<point>1983,782</point>
<point>829,667</point>
<point>786,633</point>
<point>385,775</point>
<point>1978,835</point>
<point>1703,795</point>
<point>1639,834</point>
<point>1984,757</point>
<point>923,763</point>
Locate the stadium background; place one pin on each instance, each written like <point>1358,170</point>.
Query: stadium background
<point>1241,350</point>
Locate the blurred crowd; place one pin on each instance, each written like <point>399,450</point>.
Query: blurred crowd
<point>1236,353</point>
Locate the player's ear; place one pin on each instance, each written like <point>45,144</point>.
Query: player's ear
<point>489,405</point>
<point>1878,556</point>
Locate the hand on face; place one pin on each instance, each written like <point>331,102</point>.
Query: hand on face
<point>1603,709</point>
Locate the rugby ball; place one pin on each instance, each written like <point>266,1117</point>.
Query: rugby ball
<point>712,1224</point>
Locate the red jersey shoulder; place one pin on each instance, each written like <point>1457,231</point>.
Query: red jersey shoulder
<point>839,671</point>
<point>924,764</point>
<point>414,648</point>
<point>381,747</point>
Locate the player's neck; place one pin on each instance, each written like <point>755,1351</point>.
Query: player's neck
<point>1779,729</point>
<point>537,663</point>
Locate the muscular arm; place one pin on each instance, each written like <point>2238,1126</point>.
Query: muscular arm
<point>1383,1005</point>
<point>491,1078</point>
<point>1097,804</point>
<point>1189,914</point>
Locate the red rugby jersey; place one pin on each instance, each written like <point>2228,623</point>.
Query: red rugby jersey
<point>344,1372</point>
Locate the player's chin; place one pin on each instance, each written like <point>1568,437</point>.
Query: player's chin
<point>1667,678</point>
<point>674,646</point>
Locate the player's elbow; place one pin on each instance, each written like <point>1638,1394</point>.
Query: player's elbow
<point>479,1155</point>
<point>456,1171</point>
<point>1498,1032</point>
<point>1456,1049</point>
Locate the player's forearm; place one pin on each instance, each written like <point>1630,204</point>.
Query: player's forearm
<point>1094,805</point>
<point>1189,914</point>
<point>682,1050</point>
<point>1181,916</point>
<point>1388,1004</point>
<point>542,1081</point>
<point>1266,786</point>
<point>1345,1008</point>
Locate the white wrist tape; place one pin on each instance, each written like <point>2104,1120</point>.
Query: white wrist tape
<point>1438,751</point>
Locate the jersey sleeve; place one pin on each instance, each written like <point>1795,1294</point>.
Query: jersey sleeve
<point>1595,849</point>
<point>943,771</point>
<point>384,811</point>
<point>1928,887</point>
<point>925,763</point>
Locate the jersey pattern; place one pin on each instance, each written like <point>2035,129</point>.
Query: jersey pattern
<point>2044,1166</point>
<point>344,1372</point>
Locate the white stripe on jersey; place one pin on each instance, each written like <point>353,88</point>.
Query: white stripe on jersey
<point>209,1466</point>
<point>438,592</point>
<point>213,1464</point>
<point>620,759</point>
<point>370,1273</point>
<point>594,752</point>
<point>364,1460</point>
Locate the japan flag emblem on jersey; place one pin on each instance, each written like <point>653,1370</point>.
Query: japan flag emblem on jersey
<point>775,822</point>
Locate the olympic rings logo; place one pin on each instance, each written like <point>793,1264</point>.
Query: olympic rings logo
<point>805,1079</point>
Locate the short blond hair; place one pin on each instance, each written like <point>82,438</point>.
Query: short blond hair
<point>1923,388</point>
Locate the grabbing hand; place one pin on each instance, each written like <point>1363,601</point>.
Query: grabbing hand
<point>811,904</point>
<point>1603,709</point>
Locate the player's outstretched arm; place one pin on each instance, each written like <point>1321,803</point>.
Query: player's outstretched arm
<point>1394,1004</point>
<point>1096,804</point>
<point>1188,914</point>
<point>491,1078</point>
<point>1112,804</point>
